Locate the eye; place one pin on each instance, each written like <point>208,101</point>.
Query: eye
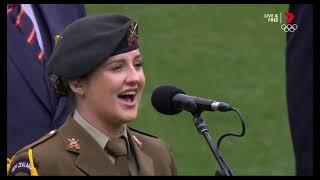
<point>138,65</point>
<point>116,67</point>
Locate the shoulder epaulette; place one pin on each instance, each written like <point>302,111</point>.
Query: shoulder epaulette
<point>42,139</point>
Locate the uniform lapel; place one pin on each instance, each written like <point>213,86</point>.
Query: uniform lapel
<point>27,64</point>
<point>92,159</point>
<point>145,162</point>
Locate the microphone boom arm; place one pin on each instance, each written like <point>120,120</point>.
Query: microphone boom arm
<point>202,128</point>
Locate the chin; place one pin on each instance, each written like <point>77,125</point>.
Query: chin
<point>127,120</point>
<point>128,117</point>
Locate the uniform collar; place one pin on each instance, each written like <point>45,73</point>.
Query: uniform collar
<point>92,159</point>
<point>97,135</point>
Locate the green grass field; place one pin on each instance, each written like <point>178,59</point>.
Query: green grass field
<point>225,52</point>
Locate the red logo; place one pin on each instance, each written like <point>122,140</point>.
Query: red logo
<point>290,17</point>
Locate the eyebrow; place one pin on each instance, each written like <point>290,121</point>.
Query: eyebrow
<point>122,60</point>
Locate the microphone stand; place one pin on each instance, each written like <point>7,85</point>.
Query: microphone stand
<point>202,128</point>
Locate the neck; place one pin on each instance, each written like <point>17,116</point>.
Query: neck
<point>109,128</point>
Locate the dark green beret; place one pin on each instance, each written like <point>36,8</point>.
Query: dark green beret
<point>85,43</point>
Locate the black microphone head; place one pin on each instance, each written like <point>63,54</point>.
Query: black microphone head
<point>161,99</point>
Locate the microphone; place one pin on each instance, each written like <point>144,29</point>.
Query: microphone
<point>170,100</point>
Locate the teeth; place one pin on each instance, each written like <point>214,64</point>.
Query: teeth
<point>129,93</point>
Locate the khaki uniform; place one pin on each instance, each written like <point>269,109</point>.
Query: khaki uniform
<point>70,150</point>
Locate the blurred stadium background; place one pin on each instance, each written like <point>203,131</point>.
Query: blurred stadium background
<point>226,52</point>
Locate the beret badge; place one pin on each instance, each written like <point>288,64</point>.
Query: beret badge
<point>133,34</point>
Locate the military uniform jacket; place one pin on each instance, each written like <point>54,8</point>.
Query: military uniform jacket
<point>57,154</point>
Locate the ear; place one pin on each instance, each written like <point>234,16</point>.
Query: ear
<point>76,85</point>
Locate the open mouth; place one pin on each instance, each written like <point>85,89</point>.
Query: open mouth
<point>128,97</point>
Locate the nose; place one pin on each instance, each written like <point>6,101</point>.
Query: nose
<point>133,76</point>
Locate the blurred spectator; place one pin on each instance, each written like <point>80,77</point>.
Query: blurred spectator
<point>32,107</point>
<point>299,72</point>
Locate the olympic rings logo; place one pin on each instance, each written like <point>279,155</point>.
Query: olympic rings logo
<point>289,27</point>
